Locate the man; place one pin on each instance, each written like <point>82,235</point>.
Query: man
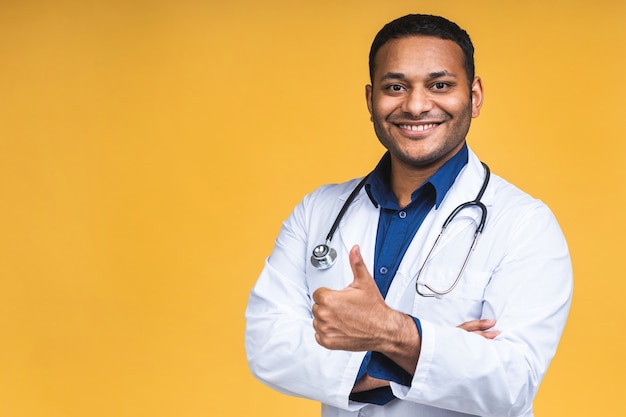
<point>391,321</point>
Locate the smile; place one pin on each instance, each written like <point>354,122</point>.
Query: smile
<point>419,128</point>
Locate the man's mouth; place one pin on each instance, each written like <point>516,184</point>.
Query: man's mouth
<point>418,128</point>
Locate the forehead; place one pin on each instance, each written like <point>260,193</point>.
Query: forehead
<point>419,55</point>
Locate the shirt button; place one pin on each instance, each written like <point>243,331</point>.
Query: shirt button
<point>383,270</point>
<point>402,214</point>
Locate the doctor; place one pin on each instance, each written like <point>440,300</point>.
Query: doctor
<point>365,336</point>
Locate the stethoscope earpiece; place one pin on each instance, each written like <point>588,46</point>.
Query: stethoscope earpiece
<point>323,256</point>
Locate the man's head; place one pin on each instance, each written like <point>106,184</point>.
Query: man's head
<point>424,92</point>
<point>424,25</point>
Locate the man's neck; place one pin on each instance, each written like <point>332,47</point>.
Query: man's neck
<point>405,181</point>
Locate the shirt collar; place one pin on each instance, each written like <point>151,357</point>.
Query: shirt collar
<point>379,191</point>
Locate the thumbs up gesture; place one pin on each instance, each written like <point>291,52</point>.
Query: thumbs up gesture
<point>356,318</point>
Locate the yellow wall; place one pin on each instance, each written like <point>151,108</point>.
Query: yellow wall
<point>150,149</point>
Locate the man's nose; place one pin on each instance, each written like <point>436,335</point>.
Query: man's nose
<point>418,101</point>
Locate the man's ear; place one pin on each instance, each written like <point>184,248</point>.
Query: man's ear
<point>478,96</point>
<point>368,99</point>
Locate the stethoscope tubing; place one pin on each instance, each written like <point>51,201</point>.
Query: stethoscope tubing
<point>324,256</point>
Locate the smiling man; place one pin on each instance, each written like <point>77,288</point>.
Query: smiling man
<point>397,308</point>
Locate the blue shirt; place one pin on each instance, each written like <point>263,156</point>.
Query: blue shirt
<point>396,228</point>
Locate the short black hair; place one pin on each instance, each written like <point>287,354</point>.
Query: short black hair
<point>425,25</point>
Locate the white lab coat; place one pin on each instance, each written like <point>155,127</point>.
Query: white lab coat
<point>520,274</point>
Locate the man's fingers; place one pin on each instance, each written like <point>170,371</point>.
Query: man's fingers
<point>481,328</point>
<point>477,325</point>
<point>356,261</point>
<point>318,294</point>
<point>490,334</point>
<point>359,269</point>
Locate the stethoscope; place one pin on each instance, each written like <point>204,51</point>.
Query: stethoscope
<point>324,256</point>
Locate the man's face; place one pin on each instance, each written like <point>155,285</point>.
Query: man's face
<point>420,100</point>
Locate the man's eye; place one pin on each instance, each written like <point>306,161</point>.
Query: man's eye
<point>440,86</point>
<point>396,87</point>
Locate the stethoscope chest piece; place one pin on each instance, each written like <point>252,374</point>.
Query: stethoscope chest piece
<point>323,256</point>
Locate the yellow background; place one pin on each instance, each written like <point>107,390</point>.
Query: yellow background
<point>149,151</point>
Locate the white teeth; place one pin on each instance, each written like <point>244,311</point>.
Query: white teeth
<point>418,128</point>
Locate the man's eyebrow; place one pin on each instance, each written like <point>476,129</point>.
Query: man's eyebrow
<point>402,76</point>
<point>393,76</point>
<point>440,74</point>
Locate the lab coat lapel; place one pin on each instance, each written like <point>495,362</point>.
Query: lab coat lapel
<point>358,227</point>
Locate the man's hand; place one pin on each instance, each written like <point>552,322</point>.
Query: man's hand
<point>358,319</point>
<point>352,318</point>
<point>480,327</point>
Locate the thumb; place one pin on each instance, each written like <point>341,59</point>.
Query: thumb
<point>359,270</point>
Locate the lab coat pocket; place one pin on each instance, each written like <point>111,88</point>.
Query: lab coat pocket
<point>464,302</point>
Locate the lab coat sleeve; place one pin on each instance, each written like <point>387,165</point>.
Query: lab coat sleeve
<point>529,294</point>
<point>280,340</point>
